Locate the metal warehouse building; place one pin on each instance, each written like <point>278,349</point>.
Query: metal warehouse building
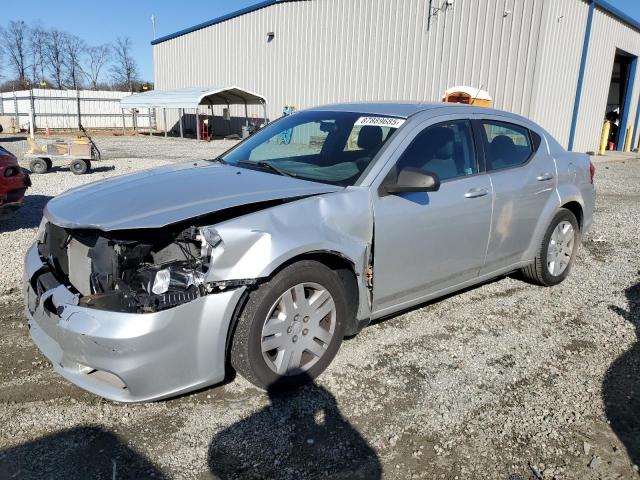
<point>562,63</point>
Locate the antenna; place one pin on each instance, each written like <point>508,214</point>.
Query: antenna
<point>473,100</point>
<point>153,25</point>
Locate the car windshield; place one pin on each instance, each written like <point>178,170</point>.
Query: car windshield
<point>327,147</point>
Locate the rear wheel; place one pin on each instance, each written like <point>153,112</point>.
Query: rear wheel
<point>39,165</point>
<point>79,167</point>
<point>557,252</point>
<point>291,327</point>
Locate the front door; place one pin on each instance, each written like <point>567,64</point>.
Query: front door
<point>426,242</point>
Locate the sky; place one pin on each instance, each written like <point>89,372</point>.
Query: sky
<point>132,18</point>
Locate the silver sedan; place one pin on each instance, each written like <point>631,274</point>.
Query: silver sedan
<point>263,260</point>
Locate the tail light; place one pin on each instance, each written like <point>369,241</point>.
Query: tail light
<point>592,171</point>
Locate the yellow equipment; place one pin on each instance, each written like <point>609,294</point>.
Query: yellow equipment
<point>79,153</point>
<point>628,139</point>
<point>604,139</point>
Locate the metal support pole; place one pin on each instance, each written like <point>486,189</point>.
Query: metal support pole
<point>264,108</point>
<point>79,112</point>
<point>32,112</point>
<point>246,114</point>
<point>124,124</point>
<point>197,124</point>
<point>164,117</point>
<point>15,111</point>
<point>181,125</point>
<point>149,114</point>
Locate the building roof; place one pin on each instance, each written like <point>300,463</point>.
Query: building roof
<point>602,4</point>
<point>192,97</point>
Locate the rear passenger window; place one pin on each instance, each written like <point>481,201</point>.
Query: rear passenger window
<point>508,145</point>
<point>446,149</point>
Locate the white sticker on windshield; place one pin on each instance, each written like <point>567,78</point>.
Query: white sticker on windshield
<point>390,122</point>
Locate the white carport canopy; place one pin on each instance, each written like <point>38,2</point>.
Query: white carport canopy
<point>192,98</point>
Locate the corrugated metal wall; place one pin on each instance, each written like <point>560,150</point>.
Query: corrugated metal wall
<point>607,35</point>
<point>526,53</point>
<point>558,65</point>
<point>58,109</point>
<point>347,50</point>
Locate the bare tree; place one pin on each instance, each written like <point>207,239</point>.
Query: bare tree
<point>97,57</point>
<point>73,49</point>
<point>16,48</point>
<point>54,56</point>
<point>124,69</point>
<point>37,45</point>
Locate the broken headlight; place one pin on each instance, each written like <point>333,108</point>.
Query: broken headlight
<point>157,280</point>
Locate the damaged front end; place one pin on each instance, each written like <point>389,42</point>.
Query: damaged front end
<point>132,271</point>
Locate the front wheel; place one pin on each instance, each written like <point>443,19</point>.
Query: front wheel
<point>291,326</point>
<point>557,252</point>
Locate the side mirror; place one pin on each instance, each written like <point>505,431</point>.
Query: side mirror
<point>411,179</point>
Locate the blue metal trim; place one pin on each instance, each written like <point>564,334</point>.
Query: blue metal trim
<point>619,14</point>
<point>224,18</point>
<point>634,142</point>
<point>624,122</point>
<point>583,65</point>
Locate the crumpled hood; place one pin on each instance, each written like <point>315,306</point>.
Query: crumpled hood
<point>159,197</point>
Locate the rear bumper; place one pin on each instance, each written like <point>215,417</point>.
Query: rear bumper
<point>129,357</point>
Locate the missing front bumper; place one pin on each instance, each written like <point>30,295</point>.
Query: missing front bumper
<point>139,357</point>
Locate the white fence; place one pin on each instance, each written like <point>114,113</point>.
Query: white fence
<point>60,109</point>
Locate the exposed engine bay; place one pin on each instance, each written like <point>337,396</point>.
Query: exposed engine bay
<point>137,271</point>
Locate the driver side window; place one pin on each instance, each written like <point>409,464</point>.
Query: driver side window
<point>446,149</point>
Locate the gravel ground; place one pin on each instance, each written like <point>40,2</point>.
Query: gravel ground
<point>506,380</point>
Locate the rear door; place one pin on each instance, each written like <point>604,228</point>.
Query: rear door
<point>524,176</point>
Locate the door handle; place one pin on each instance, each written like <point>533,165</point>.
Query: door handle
<point>543,177</point>
<point>476,192</point>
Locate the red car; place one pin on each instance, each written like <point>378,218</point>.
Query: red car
<point>13,183</point>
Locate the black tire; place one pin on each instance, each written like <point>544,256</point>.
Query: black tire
<point>79,167</point>
<point>246,354</point>
<point>538,272</point>
<point>49,163</point>
<point>38,165</point>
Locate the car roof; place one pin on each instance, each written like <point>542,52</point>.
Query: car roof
<point>407,109</point>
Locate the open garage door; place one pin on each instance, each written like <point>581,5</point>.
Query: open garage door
<point>619,100</point>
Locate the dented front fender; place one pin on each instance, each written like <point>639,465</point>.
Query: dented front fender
<point>255,245</point>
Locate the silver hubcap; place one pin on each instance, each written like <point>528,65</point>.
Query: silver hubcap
<point>560,248</point>
<point>298,329</point>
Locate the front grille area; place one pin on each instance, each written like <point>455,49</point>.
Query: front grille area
<point>54,251</point>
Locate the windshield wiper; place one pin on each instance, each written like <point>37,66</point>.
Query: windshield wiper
<point>267,166</point>
<point>219,160</point>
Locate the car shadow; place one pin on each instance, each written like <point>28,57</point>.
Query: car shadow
<point>301,434</point>
<point>12,139</point>
<point>28,215</point>
<point>81,453</point>
<point>621,386</point>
